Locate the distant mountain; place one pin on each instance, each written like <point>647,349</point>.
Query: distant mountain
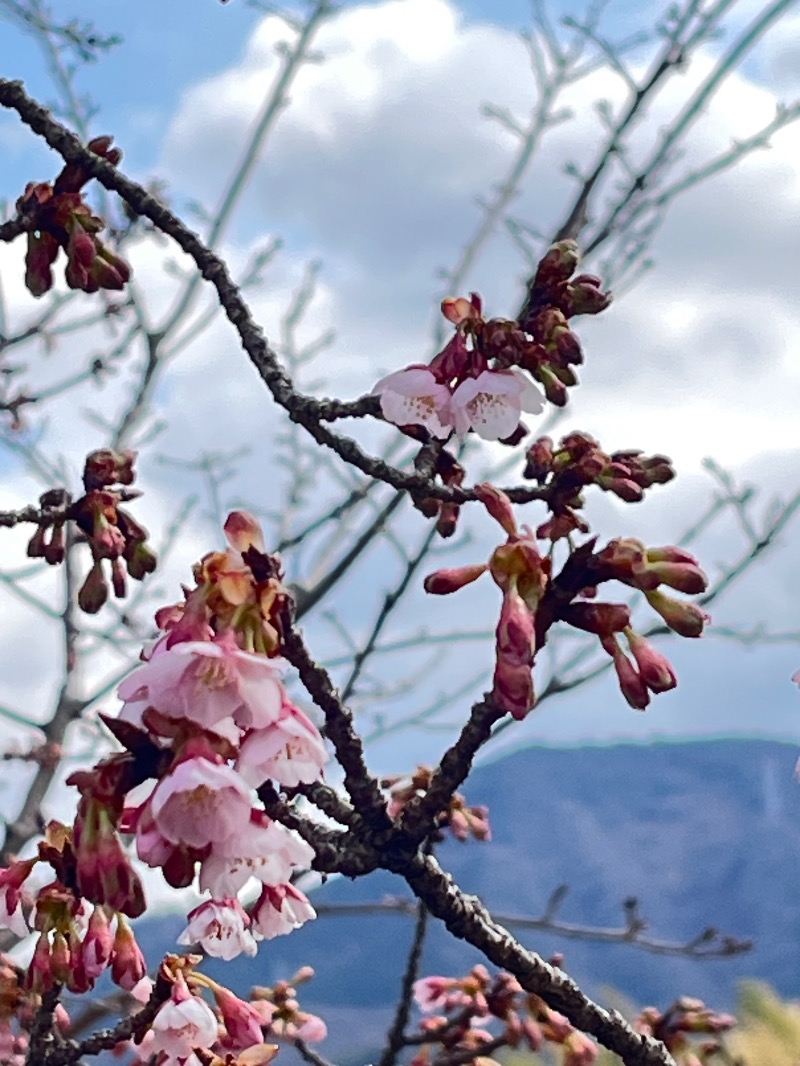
<point>703,833</point>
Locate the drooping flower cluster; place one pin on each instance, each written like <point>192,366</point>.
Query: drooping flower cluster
<point>534,599</point>
<point>111,532</point>
<point>467,1010</point>
<point>187,1031</point>
<point>206,720</point>
<point>59,218</point>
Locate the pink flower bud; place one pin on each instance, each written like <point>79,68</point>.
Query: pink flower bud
<point>631,683</point>
<point>513,680</point>
<point>655,669</point>
<point>579,1050</point>
<point>97,945</point>
<point>599,618</point>
<point>243,531</point>
<point>498,505</point>
<point>128,966</point>
<point>457,309</point>
<point>685,577</point>
<point>442,582</point>
<point>241,1019</point>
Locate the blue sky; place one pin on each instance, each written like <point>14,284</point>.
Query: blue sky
<point>377,179</point>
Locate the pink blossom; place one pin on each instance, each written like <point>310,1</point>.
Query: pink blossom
<point>414,397</point>
<point>207,682</point>
<point>492,403</point>
<point>183,1023</point>
<point>280,909</point>
<point>290,751</point>
<point>312,1029</point>
<point>432,993</point>
<point>263,849</point>
<point>796,678</point>
<point>221,928</point>
<point>200,802</point>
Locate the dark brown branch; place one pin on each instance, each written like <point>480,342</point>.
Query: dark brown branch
<point>467,919</point>
<point>340,729</point>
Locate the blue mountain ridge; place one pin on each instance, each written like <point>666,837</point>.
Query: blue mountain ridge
<point>704,833</point>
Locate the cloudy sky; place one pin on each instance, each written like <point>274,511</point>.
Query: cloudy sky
<point>373,172</point>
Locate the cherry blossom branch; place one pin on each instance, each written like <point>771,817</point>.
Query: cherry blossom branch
<point>70,1051</point>
<point>340,729</point>
<point>466,918</point>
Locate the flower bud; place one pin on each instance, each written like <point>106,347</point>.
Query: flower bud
<point>600,618</point>
<point>554,390</point>
<point>631,684</point>
<point>442,582</point>
<point>539,459</point>
<point>94,591</point>
<point>655,669</point>
<point>685,619</point>
<point>128,966</point>
<point>513,680</point>
<point>685,577</point>
<point>243,530</point>
<point>498,505</point>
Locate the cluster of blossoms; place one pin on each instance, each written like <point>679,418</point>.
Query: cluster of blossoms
<point>679,1026</point>
<point>490,371</point>
<point>58,217</point>
<point>466,1007</point>
<point>534,599</point>
<point>578,461</point>
<point>110,531</point>
<point>459,817</point>
<point>235,1032</point>
<point>208,717</point>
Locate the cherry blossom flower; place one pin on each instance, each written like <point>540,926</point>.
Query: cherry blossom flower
<point>265,850</point>
<point>221,928</point>
<point>206,682</point>
<point>200,802</point>
<point>280,909</point>
<point>414,397</point>
<point>492,403</point>
<point>183,1023</point>
<point>290,751</point>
